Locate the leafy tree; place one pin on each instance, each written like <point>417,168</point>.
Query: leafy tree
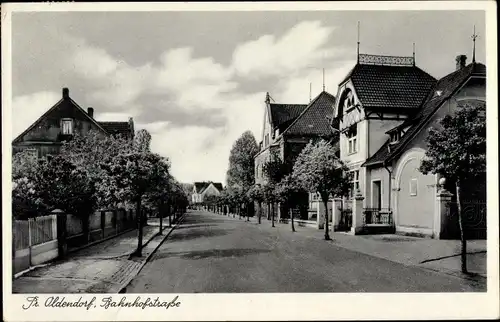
<point>26,200</point>
<point>157,196</point>
<point>88,152</point>
<point>319,169</point>
<point>275,169</point>
<point>241,161</point>
<point>256,194</point>
<point>131,174</point>
<point>269,197</point>
<point>286,191</point>
<point>142,141</point>
<point>457,151</point>
<point>63,185</point>
<point>210,201</point>
<point>24,165</point>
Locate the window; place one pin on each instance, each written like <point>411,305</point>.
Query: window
<point>266,141</point>
<point>352,139</point>
<point>413,187</point>
<point>67,126</point>
<point>395,136</point>
<point>354,182</point>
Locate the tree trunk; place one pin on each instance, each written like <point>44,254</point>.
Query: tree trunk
<point>268,211</point>
<point>138,251</point>
<point>325,203</point>
<point>239,211</point>
<point>272,217</point>
<point>463,240</point>
<point>290,210</point>
<point>248,212</point>
<point>260,211</point>
<point>161,217</point>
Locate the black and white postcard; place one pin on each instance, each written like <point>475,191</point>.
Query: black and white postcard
<point>250,161</point>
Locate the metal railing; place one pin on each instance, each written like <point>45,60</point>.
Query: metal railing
<point>380,216</point>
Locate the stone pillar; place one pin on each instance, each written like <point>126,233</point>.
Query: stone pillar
<point>357,213</point>
<point>442,210</point>
<point>320,219</point>
<point>336,214</point>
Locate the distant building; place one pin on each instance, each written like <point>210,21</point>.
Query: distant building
<point>288,128</point>
<point>60,123</point>
<point>204,189</point>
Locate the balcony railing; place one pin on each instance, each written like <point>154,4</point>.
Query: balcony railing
<point>377,216</point>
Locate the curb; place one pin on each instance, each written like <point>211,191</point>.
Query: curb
<point>148,257</point>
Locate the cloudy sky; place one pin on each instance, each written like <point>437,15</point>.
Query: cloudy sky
<point>197,80</point>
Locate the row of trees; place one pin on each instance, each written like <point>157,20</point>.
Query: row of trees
<point>94,172</point>
<point>317,169</point>
<point>456,150</point>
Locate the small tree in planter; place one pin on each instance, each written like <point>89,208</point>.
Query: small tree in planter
<point>457,151</point>
<point>286,191</point>
<point>269,198</point>
<point>318,169</point>
<point>255,193</point>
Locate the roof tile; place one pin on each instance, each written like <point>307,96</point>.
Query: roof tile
<point>446,86</point>
<point>314,120</point>
<point>391,87</point>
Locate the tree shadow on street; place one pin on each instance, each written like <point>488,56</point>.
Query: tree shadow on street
<point>193,226</point>
<point>194,233</point>
<point>214,253</point>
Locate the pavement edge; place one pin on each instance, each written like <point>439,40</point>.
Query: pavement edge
<point>148,257</point>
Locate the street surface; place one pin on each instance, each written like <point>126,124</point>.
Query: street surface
<point>214,253</point>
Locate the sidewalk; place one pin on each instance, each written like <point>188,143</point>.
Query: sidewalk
<point>434,254</point>
<point>101,268</point>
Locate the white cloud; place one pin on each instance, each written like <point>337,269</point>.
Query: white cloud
<point>28,108</point>
<point>295,89</point>
<point>201,83</point>
<point>300,47</point>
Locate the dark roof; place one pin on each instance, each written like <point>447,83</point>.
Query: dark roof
<point>117,128</point>
<point>64,102</point>
<point>282,115</point>
<point>390,87</point>
<point>315,118</point>
<point>201,186</point>
<point>447,86</point>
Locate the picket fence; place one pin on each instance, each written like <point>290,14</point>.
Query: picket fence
<point>35,241</point>
<point>38,240</point>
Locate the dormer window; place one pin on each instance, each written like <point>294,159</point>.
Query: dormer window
<point>266,140</point>
<point>67,126</point>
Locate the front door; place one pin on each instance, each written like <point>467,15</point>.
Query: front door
<point>377,194</point>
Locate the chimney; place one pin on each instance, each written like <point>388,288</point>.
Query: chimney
<point>65,93</point>
<point>90,112</point>
<point>461,61</point>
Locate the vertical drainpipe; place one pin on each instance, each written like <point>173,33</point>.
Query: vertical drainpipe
<point>390,185</point>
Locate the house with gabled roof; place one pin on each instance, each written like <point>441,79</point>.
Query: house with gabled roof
<point>386,106</point>
<point>288,128</point>
<point>63,120</point>
<point>411,194</point>
<point>205,188</point>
